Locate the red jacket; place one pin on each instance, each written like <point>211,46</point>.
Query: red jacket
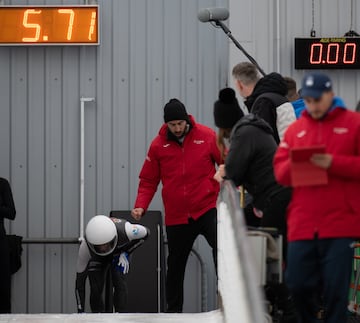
<point>331,210</point>
<point>186,172</point>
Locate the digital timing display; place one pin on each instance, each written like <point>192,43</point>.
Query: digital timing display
<point>49,25</point>
<point>327,53</point>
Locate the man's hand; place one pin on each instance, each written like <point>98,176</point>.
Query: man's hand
<point>322,160</point>
<point>137,213</point>
<point>124,262</point>
<point>219,175</point>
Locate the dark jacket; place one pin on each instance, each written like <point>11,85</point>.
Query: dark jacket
<point>250,157</point>
<point>7,210</point>
<point>274,108</point>
<point>7,206</point>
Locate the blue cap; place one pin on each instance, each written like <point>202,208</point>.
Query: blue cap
<point>315,84</point>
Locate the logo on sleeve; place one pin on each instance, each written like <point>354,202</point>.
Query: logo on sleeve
<point>284,144</point>
<point>135,230</point>
<point>340,131</point>
<point>301,134</point>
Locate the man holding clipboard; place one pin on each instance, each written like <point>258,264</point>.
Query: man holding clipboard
<point>303,171</point>
<point>320,158</point>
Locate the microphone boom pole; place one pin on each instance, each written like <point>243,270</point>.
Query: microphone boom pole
<point>237,44</point>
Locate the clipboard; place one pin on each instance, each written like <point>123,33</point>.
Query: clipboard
<point>303,172</point>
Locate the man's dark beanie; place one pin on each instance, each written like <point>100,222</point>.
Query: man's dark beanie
<point>227,110</point>
<point>175,110</point>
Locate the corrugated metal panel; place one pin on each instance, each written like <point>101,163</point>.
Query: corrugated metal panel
<point>150,51</point>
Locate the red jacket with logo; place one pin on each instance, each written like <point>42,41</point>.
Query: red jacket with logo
<point>186,172</point>
<point>331,210</point>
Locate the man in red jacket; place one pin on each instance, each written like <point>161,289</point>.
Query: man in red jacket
<point>323,216</point>
<point>183,158</point>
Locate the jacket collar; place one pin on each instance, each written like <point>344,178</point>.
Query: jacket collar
<point>337,106</point>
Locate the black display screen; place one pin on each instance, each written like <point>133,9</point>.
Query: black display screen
<point>327,53</point>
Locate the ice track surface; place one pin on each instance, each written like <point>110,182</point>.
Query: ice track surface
<point>208,317</point>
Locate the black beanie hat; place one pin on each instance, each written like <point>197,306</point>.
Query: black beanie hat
<point>175,110</point>
<point>227,110</point>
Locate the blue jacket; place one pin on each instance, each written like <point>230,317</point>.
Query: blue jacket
<point>299,107</point>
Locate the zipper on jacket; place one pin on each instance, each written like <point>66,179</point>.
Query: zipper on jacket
<point>183,175</point>
<point>319,135</point>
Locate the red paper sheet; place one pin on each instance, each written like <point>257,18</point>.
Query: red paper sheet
<point>303,172</point>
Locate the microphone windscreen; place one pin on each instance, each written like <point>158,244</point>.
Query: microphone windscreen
<point>213,14</point>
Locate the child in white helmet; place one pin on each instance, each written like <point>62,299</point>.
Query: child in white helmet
<point>108,242</point>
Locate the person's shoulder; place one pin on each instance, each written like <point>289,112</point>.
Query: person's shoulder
<point>271,98</point>
<point>117,220</point>
<point>159,138</point>
<point>262,100</point>
<point>352,117</point>
<point>352,114</point>
<point>264,107</point>
<point>246,130</point>
<point>299,123</point>
<point>155,145</point>
<point>4,182</point>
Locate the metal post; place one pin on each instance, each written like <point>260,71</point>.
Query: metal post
<point>159,267</point>
<point>82,164</point>
<point>204,289</point>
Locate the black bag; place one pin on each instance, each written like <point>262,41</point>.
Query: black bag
<point>15,251</point>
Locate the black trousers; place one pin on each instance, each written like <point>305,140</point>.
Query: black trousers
<point>180,241</point>
<point>5,276</point>
<point>320,266</point>
<point>97,275</point>
<point>275,215</point>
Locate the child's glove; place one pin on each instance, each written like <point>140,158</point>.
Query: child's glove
<point>123,263</point>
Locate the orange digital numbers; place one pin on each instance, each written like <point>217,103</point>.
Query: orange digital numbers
<point>49,25</point>
<point>28,25</point>
<point>327,53</point>
<point>71,14</point>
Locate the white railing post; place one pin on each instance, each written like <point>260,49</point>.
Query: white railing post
<point>82,164</point>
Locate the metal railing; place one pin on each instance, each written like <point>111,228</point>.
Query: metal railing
<point>241,297</point>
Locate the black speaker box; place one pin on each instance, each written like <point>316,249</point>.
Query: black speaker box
<point>146,277</point>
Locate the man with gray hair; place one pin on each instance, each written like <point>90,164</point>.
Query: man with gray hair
<point>246,76</point>
<point>265,97</point>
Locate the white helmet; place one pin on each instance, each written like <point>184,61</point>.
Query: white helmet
<point>101,235</point>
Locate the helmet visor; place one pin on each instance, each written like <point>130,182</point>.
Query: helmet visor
<point>105,248</point>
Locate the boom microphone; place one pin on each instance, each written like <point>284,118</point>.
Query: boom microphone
<point>213,14</point>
